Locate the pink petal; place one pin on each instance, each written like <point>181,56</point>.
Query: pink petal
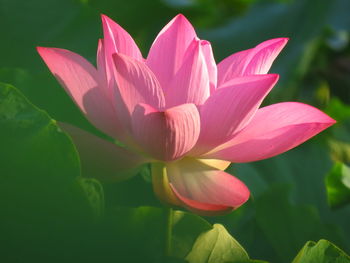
<point>117,40</point>
<point>168,49</point>
<point>100,57</point>
<point>102,66</point>
<point>136,84</point>
<point>211,64</point>
<point>200,208</point>
<point>202,187</point>
<point>273,130</point>
<point>102,159</point>
<point>191,82</point>
<point>232,66</point>
<point>230,108</point>
<point>257,60</point>
<point>83,83</point>
<point>166,135</point>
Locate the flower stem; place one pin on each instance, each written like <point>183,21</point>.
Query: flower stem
<point>168,230</point>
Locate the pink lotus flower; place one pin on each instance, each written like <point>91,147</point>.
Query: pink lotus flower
<point>180,111</point>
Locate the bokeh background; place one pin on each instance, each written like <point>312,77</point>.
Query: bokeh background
<point>48,213</point>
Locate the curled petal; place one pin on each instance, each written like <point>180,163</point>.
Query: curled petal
<point>230,108</point>
<point>102,159</point>
<point>168,49</point>
<point>86,87</point>
<point>161,185</point>
<point>191,83</point>
<point>204,189</point>
<point>166,135</point>
<point>257,60</point>
<point>273,130</point>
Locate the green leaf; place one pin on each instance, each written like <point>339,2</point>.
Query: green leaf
<point>186,228</point>
<point>43,90</point>
<point>338,185</point>
<point>249,261</point>
<point>287,226</point>
<point>291,215</point>
<point>138,234</point>
<point>216,246</point>
<point>321,252</point>
<point>42,202</point>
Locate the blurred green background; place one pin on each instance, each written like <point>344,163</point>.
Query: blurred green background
<point>49,213</point>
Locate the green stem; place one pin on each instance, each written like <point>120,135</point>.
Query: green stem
<point>168,230</point>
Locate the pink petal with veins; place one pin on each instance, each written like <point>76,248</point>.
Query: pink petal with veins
<point>253,61</point>
<point>168,49</point>
<point>230,108</point>
<point>136,84</point>
<point>191,83</point>
<point>166,135</point>
<point>86,87</point>
<point>274,129</point>
<point>202,187</point>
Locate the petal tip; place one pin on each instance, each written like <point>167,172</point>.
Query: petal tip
<point>181,19</point>
<point>40,49</point>
<point>275,77</point>
<point>46,51</point>
<point>284,41</point>
<point>204,42</point>
<point>105,18</point>
<point>180,16</point>
<point>331,121</point>
<point>281,40</point>
<point>245,196</point>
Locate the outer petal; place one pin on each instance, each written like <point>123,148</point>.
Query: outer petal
<point>102,159</point>
<point>257,60</point>
<point>201,187</point>
<point>136,84</point>
<point>168,49</point>
<point>273,130</point>
<point>229,109</point>
<point>117,40</point>
<point>166,135</point>
<point>211,64</point>
<point>82,82</point>
<point>191,82</point>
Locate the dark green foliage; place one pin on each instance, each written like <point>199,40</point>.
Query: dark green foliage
<point>51,213</point>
